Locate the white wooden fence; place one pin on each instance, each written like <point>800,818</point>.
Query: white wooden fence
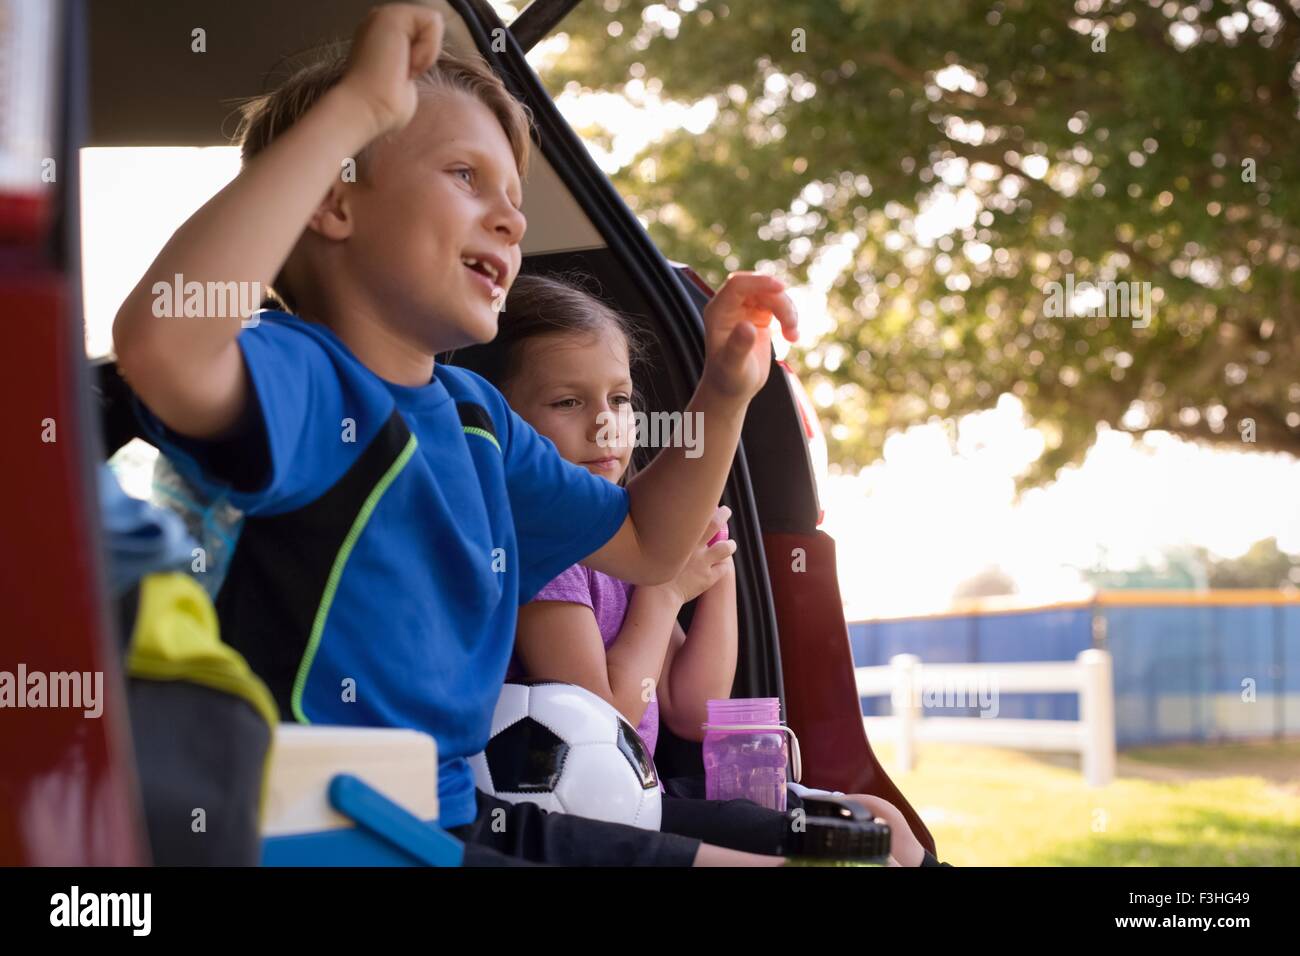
<point>910,684</point>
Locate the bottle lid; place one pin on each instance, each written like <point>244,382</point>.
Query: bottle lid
<point>745,710</point>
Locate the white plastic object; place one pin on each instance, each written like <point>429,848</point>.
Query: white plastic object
<point>401,764</point>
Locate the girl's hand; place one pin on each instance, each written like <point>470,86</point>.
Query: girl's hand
<point>738,345</point>
<point>394,44</point>
<point>708,564</point>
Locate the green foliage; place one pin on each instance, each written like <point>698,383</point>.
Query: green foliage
<point>1123,164</point>
<point>1265,565</point>
<point>990,581</point>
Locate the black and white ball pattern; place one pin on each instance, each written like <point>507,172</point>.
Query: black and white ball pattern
<point>568,751</point>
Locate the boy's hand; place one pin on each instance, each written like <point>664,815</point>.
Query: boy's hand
<point>708,562</point>
<point>394,44</point>
<point>738,345</point>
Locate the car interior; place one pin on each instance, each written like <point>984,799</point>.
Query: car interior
<point>793,639</point>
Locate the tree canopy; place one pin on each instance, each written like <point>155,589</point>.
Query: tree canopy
<point>949,162</point>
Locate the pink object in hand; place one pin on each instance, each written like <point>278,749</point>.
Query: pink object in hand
<point>720,536</point>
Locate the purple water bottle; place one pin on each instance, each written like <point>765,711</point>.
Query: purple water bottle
<point>745,751</point>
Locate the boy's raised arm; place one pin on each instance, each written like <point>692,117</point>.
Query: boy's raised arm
<point>676,495</point>
<point>189,371</point>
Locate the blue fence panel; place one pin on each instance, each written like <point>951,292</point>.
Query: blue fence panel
<point>1163,667</point>
<point>1180,669</point>
<point>1245,700</point>
<point>1054,634</point>
<point>948,640</point>
<point>1288,664</point>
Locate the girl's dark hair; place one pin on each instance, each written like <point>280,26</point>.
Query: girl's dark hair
<point>538,306</point>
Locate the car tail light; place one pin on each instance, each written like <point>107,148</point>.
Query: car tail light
<point>29,37</point>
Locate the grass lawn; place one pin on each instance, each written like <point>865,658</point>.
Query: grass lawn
<point>1209,805</point>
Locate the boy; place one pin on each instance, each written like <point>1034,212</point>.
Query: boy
<point>397,513</point>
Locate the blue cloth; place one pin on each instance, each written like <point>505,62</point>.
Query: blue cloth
<point>423,614</point>
<point>139,538</point>
<point>213,524</point>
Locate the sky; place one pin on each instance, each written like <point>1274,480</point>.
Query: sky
<point>910,527</point>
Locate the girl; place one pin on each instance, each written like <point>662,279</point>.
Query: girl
<point>563,360</point>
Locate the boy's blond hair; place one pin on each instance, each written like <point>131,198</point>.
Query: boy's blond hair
<point>265,118</point>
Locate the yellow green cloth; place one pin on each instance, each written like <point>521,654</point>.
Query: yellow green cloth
<point>177,637</point>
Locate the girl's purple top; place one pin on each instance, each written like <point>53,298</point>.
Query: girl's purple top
<point>608,598</point>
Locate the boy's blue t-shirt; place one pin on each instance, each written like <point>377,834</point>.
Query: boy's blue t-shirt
<point>390,539</point>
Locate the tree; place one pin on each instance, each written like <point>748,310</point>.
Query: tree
<point>1179,568</point>
<point>1264,565</point>
<point>961,159</point>
<point>990,581</point>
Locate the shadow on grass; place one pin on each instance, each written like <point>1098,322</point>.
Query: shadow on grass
<point>1277,762</point>
<point>1195,838</point>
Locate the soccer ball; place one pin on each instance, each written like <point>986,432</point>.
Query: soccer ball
<point>568,751</point>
